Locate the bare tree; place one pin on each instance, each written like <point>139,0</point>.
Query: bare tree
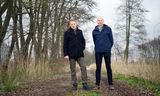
<point>133,13</point>
<point>151,51</point>
<point>38,25</point>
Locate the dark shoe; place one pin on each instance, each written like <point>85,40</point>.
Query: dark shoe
<point>86,87</point>
<point>97,87</point>
<point>74,87</point>
<point>111,87</point>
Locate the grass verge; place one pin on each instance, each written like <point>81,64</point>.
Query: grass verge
<point>139,83</point>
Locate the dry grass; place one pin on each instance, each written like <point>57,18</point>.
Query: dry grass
<point>23,71</point>
<point>147,71</point>
<point>28,71</point>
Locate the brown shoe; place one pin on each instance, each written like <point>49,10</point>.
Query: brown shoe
<point>111,87</point>
<point>96,87</point>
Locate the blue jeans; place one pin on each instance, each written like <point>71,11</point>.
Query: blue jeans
<point>107,58</point>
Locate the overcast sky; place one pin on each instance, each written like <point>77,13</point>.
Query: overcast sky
<point>106,8</point>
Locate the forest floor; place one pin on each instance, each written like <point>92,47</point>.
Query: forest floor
<point>60,85</point>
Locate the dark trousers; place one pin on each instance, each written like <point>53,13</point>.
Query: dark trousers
<point>107,58</point>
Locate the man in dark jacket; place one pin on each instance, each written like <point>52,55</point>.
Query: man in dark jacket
<point>74,45</point>
<point>103,41</point>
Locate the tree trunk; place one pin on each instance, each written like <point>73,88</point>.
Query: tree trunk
<point>14,34</point>
<point>21,34</point>
<point>128,24</point>
<point>46,41</point>
<point>31,31</point>
<point>6,21</point>
<point>41,28</point>
<point>4,73</point>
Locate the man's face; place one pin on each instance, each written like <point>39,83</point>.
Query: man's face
<point>100,21</point>
<point>73,24</point>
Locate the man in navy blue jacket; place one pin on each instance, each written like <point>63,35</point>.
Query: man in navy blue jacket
<point>103,41</point>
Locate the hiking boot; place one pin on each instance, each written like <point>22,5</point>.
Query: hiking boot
<point>111,87</point>
<point>74,87</point>
<point>97,87</point>
<point>86,87</point>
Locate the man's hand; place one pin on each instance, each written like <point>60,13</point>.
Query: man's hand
<point>66,57</point>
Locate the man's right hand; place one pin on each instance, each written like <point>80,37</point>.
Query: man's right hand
<point>66,57</point>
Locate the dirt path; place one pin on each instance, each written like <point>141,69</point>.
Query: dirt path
<point>60,86</point>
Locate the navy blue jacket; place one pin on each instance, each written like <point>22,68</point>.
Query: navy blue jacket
<point>74,44</point>
<point>103,40</point>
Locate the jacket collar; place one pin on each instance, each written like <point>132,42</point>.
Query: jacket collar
<point>73,29</point>
<point>104,27</point>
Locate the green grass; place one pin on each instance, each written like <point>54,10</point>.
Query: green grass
<point>10,82</point>
<point>139,83</point>
<point>9,86</point>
